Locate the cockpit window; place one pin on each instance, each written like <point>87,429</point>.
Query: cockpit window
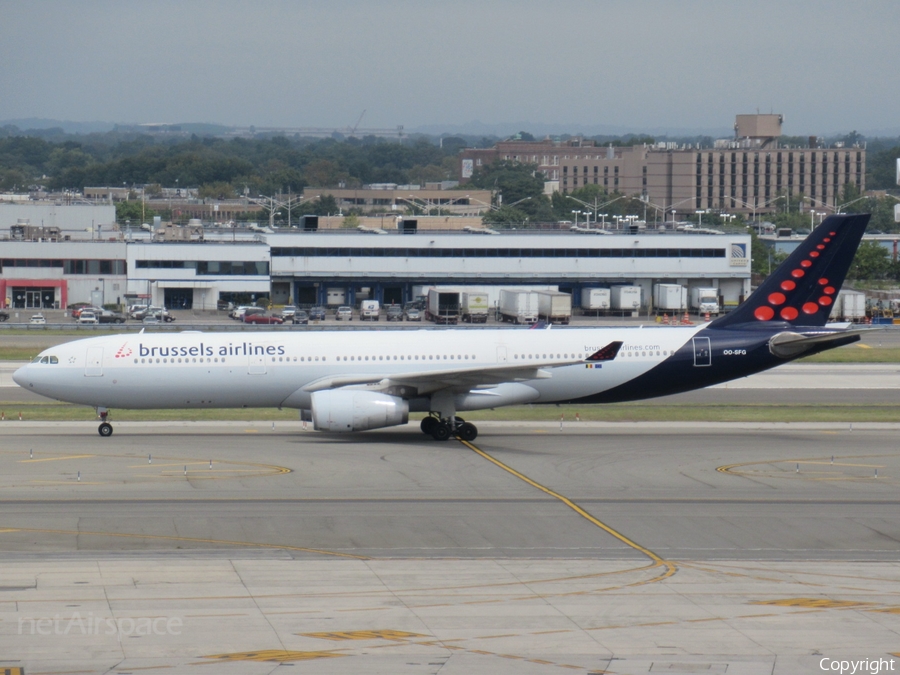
<point>53,359</point>
<point>36,359</point>
<point>45,359</point>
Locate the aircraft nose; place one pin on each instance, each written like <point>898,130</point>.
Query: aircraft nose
<point>20,376</point>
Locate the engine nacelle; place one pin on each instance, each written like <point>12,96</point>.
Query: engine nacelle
<point>356,410</point>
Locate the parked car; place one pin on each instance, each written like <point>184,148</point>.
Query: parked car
<point>413,314</point>
<point>134,309</point>
<point>76,313</point>
<point>160,312</point>
<point>4,315</point>
<point>317,313</point>
<point>86,317</point>
<point>37,318</point>
<point>343,312</point>
<point>394,313</point>
<point>300,317</point>
<point>246,310</point>
<point>107,316</point>
<point>287,313</point>
<point>263,319</point>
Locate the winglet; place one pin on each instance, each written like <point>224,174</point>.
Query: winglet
<point>607,353</point>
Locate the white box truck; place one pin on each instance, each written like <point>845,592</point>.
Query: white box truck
<point>474,307</point>
<point>369,310</point>
<point>669,297</point>
<point>594,299</point>
<point>442,306</point>
<point>849,306</point>
<point>518,306</point>
<point>705,300</point>
<point>625,298</point>
<point>554,307</point>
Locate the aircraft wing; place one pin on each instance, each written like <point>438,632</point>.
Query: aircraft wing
<point>466,378</point>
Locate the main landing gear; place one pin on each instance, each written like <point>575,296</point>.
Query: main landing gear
<point>105,429</point>
<point>442,429</point>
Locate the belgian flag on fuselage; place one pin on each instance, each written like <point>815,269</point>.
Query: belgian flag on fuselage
<point>802,290</point>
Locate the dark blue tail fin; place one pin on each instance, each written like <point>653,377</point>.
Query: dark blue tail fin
<point>803,288</point>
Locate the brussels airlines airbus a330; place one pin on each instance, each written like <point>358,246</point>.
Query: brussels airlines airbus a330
<point>354,381</point>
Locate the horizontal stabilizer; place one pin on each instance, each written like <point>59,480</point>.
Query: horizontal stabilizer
<point>789,345</point>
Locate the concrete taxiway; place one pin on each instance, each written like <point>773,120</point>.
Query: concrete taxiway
<point>626,548</point>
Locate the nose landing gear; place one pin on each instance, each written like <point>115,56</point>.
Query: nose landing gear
<point>105,429</point>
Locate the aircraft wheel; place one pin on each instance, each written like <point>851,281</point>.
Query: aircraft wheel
<point>441,431</point>
<point>428,424</point>
<point>467,432</point>
<point>105,429</point>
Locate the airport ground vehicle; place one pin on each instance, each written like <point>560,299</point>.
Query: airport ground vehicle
<point>554,307</point>
<point>518,306</point>
<point>442,306</point>
<point>670,298</point>
<point>474,307</point>
<point>369,310</point>
<point>705,300</point>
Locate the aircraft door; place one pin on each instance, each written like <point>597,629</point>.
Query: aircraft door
<point>93,364</point>
<point>702,352</point>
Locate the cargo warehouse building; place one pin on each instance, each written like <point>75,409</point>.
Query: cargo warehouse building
<point>332,267</point>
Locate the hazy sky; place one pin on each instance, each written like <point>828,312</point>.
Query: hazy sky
<point>827,66</point>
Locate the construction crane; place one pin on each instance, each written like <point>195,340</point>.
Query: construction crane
<point>356,126</point>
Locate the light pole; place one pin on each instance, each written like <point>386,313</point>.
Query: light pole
<point>576,217</point>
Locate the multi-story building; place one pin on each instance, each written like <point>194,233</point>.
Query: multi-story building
<point>746,174</point>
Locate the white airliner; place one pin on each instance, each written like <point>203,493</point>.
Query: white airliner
<point>359,380</point>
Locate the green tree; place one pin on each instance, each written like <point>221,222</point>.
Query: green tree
<point>217,190</point>
<point>872,262</point>
<point>134,211</point>
<point>323,206</point>
<point>515,185</point>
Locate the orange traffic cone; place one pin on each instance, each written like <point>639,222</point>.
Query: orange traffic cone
<point>706,317</point>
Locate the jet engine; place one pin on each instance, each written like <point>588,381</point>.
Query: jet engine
<point>356,410</point>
